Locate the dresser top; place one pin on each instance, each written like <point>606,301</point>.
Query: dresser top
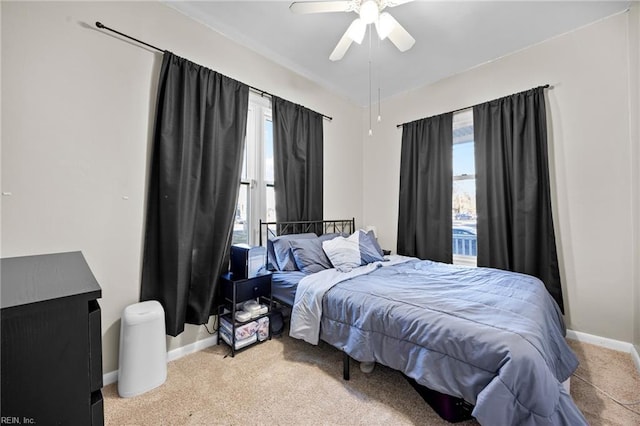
<point>32,279</point>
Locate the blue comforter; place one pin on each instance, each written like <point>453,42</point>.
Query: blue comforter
<point>492,337</point>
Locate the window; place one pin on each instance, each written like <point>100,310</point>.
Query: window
<point>465,244</point>
<point>256,198</point>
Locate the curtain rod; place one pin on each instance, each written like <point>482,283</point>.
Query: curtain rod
<point>255,89</point>
<point>546,86</point>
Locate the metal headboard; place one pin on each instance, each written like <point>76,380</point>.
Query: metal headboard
<point>270,230</point>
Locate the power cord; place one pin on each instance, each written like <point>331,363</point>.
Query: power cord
<point>215,330</point>
<point>625,405</point>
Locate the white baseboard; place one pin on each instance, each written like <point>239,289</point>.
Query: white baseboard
<point>112,376</point>
<point>192,347</point>
<point>616,345</point>
<point>605,342</point>
<point>636,357</point>
<point>109,378</point>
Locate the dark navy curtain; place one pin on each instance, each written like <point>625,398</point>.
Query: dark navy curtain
<point>298,161</point>
<point>426,184</point>
<point>515,223</point>
<point>200,127</point>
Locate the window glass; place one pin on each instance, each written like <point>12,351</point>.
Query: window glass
<point>271,204</point>
<point>269,171</point>
<point>240,225</point>
<point>268,150</point>
<point>244,175</point>
<point>463,158</point>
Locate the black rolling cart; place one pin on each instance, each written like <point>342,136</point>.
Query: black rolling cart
<point>235,292</point>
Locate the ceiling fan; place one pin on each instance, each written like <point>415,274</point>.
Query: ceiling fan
<point>370,12</point>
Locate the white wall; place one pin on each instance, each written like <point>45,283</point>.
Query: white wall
<point>77,114</point>
<point>590,155</point>
<point>634,87</point>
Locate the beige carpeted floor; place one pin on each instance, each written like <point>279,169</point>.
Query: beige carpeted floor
<point>288,382</point>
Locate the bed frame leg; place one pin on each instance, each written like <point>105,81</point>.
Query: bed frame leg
<point>345,366</point>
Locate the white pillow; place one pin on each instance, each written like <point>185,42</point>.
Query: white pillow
<point>344,253</point>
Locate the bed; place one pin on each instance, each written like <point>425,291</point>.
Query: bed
<point>492,337</point>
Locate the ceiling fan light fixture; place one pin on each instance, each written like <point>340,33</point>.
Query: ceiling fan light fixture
<point>384,25</point>
<point>356,30</point>
<point>369,11</point>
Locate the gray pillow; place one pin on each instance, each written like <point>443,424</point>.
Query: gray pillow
<point>374,242</point>
<point>370,250</point>
<point>272,262</point>
<point>327,237</point>
<point>282,250</point>
<point>309,256</point>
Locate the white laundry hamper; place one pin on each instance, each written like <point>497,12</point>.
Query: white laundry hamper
<point>143,349</point>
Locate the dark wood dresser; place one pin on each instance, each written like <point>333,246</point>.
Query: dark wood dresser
<point>51,341</point>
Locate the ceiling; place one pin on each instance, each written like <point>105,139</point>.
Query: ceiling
<point>451,37</point>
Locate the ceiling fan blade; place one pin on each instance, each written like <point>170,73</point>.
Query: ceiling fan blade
<point>394,3</point>
<point>355,32</point>
<point>341,47</point>
<point>399,36</point>
<point>303,7</point>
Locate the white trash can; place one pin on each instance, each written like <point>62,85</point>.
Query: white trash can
<point>143,349</point>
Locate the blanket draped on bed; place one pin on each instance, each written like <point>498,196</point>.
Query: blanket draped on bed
<point>492,337</point>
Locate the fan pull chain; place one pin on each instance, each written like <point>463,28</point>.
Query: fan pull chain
<point>370,130</point>
<point>378,78</point>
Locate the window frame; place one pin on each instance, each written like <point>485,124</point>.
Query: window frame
<point>259,111</point>
<point>462,119</point>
